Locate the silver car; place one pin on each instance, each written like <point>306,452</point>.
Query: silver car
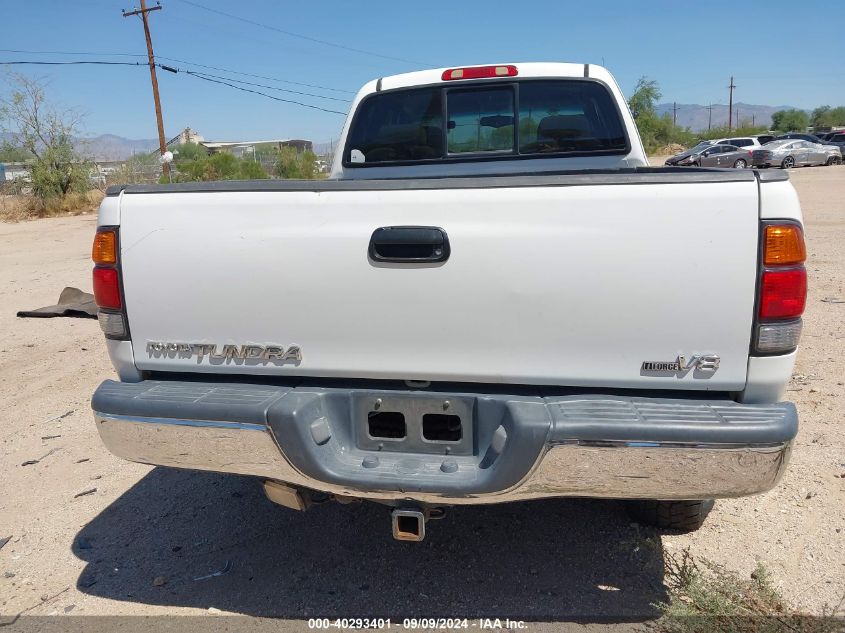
<point>708,155</point>
<point>788,153</point>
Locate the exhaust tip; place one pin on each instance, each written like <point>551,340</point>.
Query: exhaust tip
<point>408,525</point>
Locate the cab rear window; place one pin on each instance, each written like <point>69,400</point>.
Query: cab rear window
<point>527,118</point>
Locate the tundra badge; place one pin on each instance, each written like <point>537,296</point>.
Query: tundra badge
<point>264,353</point>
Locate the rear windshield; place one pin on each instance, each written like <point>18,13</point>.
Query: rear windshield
<point>526,118</point>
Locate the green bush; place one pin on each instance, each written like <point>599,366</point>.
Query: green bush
<point>790,121</point>
<point>58,172</point>
<point>293,164</point>
<point>188,152</point>
<point>222,166</point>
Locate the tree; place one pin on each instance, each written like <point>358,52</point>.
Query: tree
<point>790,120</point>
<point>655,131</point>
<point>644,98</point>
<point>293,164</point>
<point>819,116</point>
<point>825,116</point>
<point>46,133</point>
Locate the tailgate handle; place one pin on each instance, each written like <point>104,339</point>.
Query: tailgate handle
<point>409,244</point>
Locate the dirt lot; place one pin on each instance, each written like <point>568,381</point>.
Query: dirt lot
<point>147,540</point>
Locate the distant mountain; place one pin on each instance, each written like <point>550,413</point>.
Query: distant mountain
<point>695,116</point>
<point>105,146</point>
<point>113,147</point>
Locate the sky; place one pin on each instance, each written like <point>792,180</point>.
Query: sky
<point>691,49</point>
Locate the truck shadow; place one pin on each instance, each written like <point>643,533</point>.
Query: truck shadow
<point>543,560</point>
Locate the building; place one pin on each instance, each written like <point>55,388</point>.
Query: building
<point>243,149</point>
<point>185,137</point>
<point>11,171</point>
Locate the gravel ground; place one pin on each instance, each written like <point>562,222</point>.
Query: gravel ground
<point>94,535</point>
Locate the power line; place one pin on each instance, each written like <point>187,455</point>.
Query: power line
<point>237,72</point>
<point>250,83</point>
<point>73,63</point>
<point>263,94</point>
<point>299,35</point>
<point>212,78</point>
<point>180,61</point>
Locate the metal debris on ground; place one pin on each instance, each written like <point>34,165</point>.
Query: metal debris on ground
<point>30,462</point>
<point>90,491</point>
<point>59,417</point>
<point>226,568</point>
<point>50,437</point>
<point>84,459</point>
<point>5,540</point>
<point>833,300</point>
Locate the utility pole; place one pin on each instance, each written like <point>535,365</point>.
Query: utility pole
<point>674,113</point>
<point>709,115</point>
<point>731,104</point>
<point>143,11</point>
<point>753,117</point>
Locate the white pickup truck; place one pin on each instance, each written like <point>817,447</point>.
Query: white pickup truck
<point>493,298</point>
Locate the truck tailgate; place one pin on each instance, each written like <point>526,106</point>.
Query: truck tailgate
<point>576,283</point>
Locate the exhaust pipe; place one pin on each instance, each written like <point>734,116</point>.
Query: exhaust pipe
<point>408,525</point>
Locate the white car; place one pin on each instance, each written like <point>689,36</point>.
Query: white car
<point>746,142</point>
<point>494,298</point>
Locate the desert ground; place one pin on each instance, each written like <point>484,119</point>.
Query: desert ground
<point>94,535</point>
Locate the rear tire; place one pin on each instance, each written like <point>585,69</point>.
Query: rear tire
<point>788,162</point>
<point>685,516</point>
<point>740,164</point>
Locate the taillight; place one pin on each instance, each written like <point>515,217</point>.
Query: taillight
<point>782,289</point>
<point>106,288</point>
<point>479,72</point>
<point>107,283</point>
<point>783,293</point>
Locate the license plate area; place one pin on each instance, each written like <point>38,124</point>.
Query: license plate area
<point>424,423</point>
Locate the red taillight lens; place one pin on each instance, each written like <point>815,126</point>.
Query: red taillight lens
<point>783,293</point>
<point>479,72</point>
<point>106,288</point>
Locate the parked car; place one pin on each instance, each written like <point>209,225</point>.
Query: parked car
<point>707,155</point>
<point>838,139</point>
<point>689,157</point>
<point>765,138</point>
<point>789,153</point>
<point>493,298</point>
<point>810,138</point>
<point>739,141</point>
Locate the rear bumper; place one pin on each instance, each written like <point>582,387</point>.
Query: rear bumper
<point>519,446</point>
